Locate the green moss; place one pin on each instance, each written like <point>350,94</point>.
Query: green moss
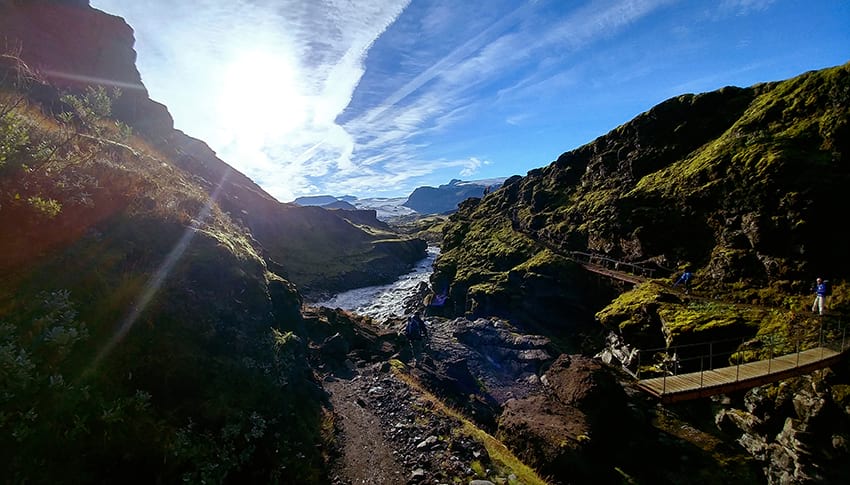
<point>700,317</point>
<point>622,311</point>
<point>841,395</point>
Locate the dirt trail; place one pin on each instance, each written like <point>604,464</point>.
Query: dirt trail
<point>366,457</point>
<point>387,431</point>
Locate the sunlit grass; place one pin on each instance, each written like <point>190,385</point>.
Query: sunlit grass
<point>506,462</point>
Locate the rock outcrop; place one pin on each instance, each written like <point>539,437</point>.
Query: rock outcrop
<point>572,427</point>
<point>731,182</point>
<point>797,429</point>
<point>445,198</point>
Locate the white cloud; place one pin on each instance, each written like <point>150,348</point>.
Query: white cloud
<point>744,7</point>
<point>265,83</point>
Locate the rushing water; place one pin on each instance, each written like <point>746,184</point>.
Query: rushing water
<point>385,301</point>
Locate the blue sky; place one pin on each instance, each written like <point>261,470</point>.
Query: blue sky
<point>312,97</point>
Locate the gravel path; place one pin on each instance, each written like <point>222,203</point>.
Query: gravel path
<point>388,432</point>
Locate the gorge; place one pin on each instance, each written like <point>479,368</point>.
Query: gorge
<point>164,319</point>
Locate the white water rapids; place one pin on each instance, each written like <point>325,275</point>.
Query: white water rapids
<point>385,301</point>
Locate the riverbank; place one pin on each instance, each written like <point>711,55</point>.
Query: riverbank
<point>383,302</point>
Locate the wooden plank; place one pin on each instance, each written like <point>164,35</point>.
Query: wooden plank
<point>731,378</point>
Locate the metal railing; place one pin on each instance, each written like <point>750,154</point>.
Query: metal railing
<point>610,263</point>
<point>771,345</point>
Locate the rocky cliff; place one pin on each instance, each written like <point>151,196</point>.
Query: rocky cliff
<point>744,185</point>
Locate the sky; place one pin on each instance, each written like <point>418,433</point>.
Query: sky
<point>374,98</point>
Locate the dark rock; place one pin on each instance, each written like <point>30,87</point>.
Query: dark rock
<point>334,347</point>
<point>445,198</point>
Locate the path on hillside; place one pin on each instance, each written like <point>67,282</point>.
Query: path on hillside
<point>366,457</point>
<point>389,433</point>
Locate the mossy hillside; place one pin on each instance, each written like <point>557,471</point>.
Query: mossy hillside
<point>206,384</point>
<point>479,266</point>
<point>331,253</point>
<point>634,314</point>
<point>742,185</point>
<point>655,316</point>
<point>428,228</point>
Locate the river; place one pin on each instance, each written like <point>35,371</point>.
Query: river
<point>385,301</point>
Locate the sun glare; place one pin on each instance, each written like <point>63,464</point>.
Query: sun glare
<point>260,97</point>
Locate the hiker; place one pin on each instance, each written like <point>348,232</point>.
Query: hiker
<point>686,278</point>
<point>416,333</point>
<point>434,304</point>
<point>821,289</point>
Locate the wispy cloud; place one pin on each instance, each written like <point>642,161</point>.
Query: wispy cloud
<point>308,97</point>
<point>261,81</point>
<point>744,7</point>
<point>445,91</point>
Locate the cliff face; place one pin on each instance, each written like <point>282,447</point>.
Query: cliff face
<point>445,198</point>
<point>73,45</point>
<point>743,185</point>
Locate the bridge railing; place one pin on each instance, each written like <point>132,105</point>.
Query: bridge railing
<point>690,358</point>
<point>610,263</point>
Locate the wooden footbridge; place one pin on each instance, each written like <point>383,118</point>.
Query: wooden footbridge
<point>612,268</point>
<point>673,386</point>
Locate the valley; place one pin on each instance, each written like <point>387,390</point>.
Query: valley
<point>164,319</point>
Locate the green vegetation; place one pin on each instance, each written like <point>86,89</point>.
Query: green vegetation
<point>742,185</point>
<point>429,228</point>
<point>503,460</point>
<point>139,333</point>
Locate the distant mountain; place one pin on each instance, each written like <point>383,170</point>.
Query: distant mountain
<point>319,200</point>
<point>341,205</point>
<point>423,200</point>
<point>387,208</point>
<point>445,198</point>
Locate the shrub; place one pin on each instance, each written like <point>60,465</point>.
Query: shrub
<point>49,208</point>
<point>13,137</point>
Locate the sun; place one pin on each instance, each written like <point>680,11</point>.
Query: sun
<point>260,96</point>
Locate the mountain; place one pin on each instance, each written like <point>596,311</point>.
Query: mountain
<point>745,187</point>
<point>445,198</point>
<point>45,32</point>
<point>423,200</point>
<point>319,200</point>
<point>742,184</point>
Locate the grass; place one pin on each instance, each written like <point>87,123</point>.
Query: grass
<point>506,462</point>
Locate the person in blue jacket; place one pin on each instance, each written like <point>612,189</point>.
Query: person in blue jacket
<point>821,290</point>
<point>686,279</point>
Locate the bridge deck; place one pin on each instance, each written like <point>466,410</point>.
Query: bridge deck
<point>617,275</point>
<point>728,379</point>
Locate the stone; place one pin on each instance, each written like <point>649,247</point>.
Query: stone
<point>427,442</point>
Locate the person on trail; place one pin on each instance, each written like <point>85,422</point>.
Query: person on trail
<point>434,304</point>
<point>416,333</point>
<point>686,278</point>
<point>821,288</point>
